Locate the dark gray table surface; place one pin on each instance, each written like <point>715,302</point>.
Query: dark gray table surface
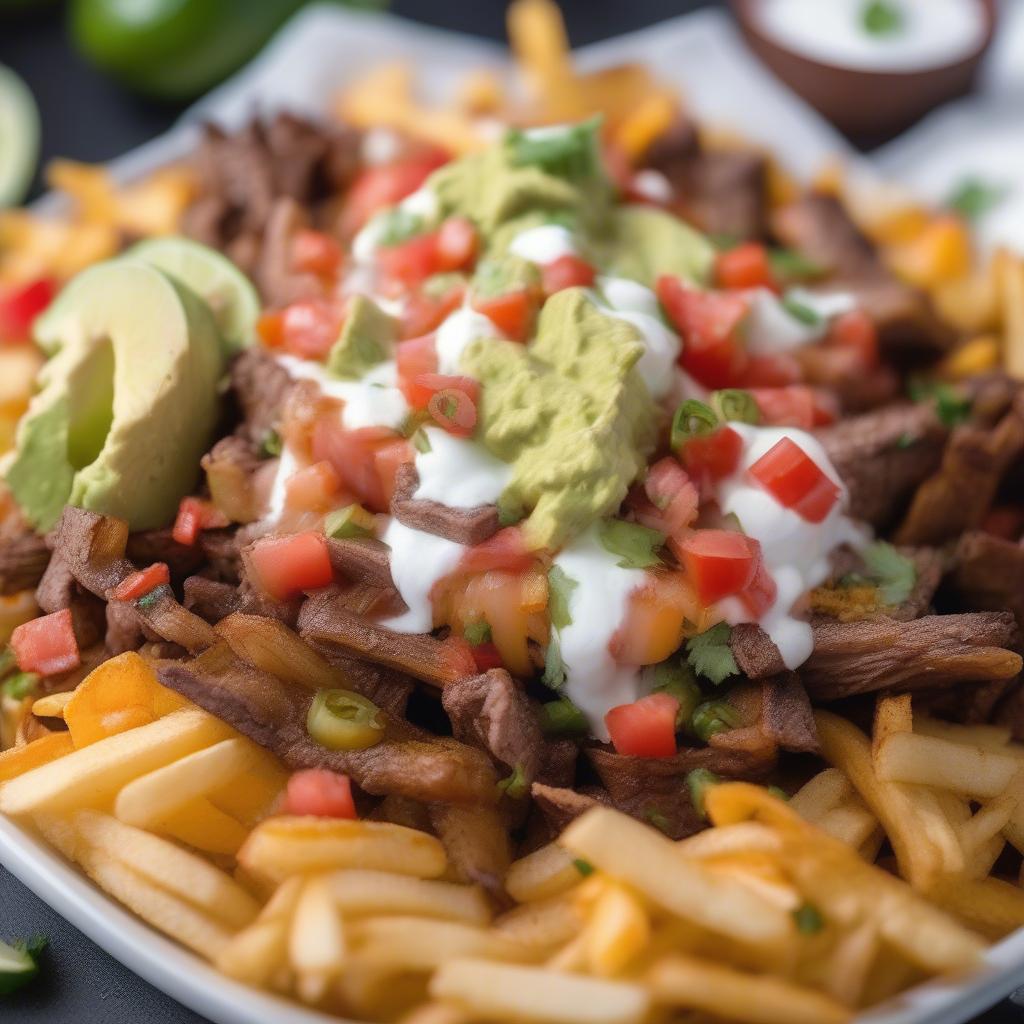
<point>86,117</point>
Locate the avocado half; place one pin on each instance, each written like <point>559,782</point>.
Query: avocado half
<point>128,404</point>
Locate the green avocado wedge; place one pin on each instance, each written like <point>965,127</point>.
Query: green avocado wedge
<point>214,278</point>
<point>127,406</point>
<point>19,138</point>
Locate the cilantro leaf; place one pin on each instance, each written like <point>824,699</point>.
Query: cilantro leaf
<point>951,406</point>
<point>515,785</point>
<point>808,919</point>
<point>478,633</point>
<point>973,197</point>
<point>560,588</point>
<point>710,655</point>
<point>634,544</point>
<point>398,225</point>
<point>800,311</point>
<point>882,18</point>
<point>895,574</point>
<point>562,718</point>
<point>20,685</point>
<point>788,263</point>
<point>554,670</point>
<point>584,867</point>
<point>568,152</point>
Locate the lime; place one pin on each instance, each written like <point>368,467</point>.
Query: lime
<point>213,277</point>
<point>18,964</point>
<point>19,138</point>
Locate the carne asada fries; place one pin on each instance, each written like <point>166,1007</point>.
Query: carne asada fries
<point>530,559</point>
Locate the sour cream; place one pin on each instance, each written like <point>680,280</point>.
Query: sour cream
<point>459,472</point>
<point>423,203</point>
<point>771,328</point>
<point>459,329</point>
<point>653,185</point>
<point>286,468</point>
<point>418,561</point>
<point>595,683</point>
<point>795,551</point>
<point>930,33</point>
<point>543,244</point>
<point>637,305</point>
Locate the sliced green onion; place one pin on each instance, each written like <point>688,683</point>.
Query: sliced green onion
<point>350,521</point>
<point>800,311</point>
<point>808,919</point>
<point>698,781</point>
<point>713,716</point>
<point>20,685</point>
<point>585,868</point>
<point>344,720</point>
<point>478,633</point>
<point>692,419</point>
<point>515,786</point>
<point>562,718</point>
<point>272,445</point>
<point>881,18</point>
<point>789,263</point>
<point>635,545</point>
<point>734,405</point>
<point>421,442</point>
<point>676,678</point>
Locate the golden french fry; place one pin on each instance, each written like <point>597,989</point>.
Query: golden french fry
<point>253,955</point>
<point>537,35</point>
<point>647,122</point>
<point>989,737</point>
<point>991,906</point>
<point>91,776</point>
<point>726,992</point>
<point>1009,270</point>
<point>970,303</point>
<point>181,873</point>
<point>381,892</point>
<point>148,800</point>
<point>542,925</point>
<point>284,846</point>
<point>316,942</point>
<point>543,873</point>
<point>993,817</point>
<point>19,760</point>
<point>851,823</point>
<point>743,837</point>
<point>617,931</point>
<point>204,826</point>
<point>847,968</point>
<point>650,863</point>
<point>504,992</point>
<point>819,795</point>
<point>252,797</point>
<point>892,715</point>
<point>52,705</point>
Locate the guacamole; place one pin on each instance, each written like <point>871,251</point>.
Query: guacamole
<point>365,341</point>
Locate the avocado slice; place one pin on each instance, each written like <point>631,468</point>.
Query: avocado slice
<point>127,406</point>
<point>365,339</point>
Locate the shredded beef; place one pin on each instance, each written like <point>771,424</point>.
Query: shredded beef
<point>726,193</point>
<point>965,704</point>
<point>819,228</point>
<point>786,716</point>
<point>462,525</point>
<point>279,282</point>
<point>560,805</point>
<point>362,561</point>
<point>149,546</point>
<point>387,689</point>
<point>211,599</point>
<point>558,762</point>
<point>885,654</point>
<point>882,456</point>
<point>260,383</point>
<point>476,840</point>
<point>988,573</point>
<point>58,590</point>
<point>221,551</point>
<point>492,712</point>
<point>23,560</point>
<point>672,152</point>
<point>124,628</point>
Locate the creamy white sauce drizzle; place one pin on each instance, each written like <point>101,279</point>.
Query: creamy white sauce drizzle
<point>422,203</point>
<point>286,467</point>
<point>653,185</point>
<point>795,551</point>
<point>418,561</point>
<point>459,329</point>
<point>770,327</point>
<point>380,146</point>
<point>932,33</point>
<point>459,472</point>
<point>637,305</point>
<point>543,244</point>
<point>595,683</point>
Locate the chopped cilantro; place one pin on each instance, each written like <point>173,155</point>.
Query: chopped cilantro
<point>554,670</point>
<point>583,867</point>
<point>788,263</point>
<point>562,718</point>
<point>723,241</point>
<point>421,442</point>
<point>675,677</point>
<point>478,633</point>
<point>570,152</point>
<point>560,588</point>
<point>713,716</point>
<point>698,782</point>
<point>710,655</point>
<point>634,544</point>
<point>20,685</point>
<point>808,919</point>
<point>153,597</point>
<point>800,311</point>
<point>906,440</point>
<point>272,445</point>
<point>515,785</point>
<point>658,820</point>
<point>7,661</point>
<point>894,573</point>
<point>973,197</point>
<point>882,17</point>
<point>951,406</point>
<point>398,225</point>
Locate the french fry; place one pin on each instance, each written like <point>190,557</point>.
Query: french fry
<point>420,944</point>
<point>19,760</point>
<point>852,824</point>
<point>819,795</point>
<point>539,43</point>
<point>726,992</point>
<point>181,873</point>
<point>994,816</point>
<point>151,798</point>
<point>381,892</point>
<point>743,837</point>
<point>849,965</point>
<point>157,907</point>
<point>317,946</point>
<point>991,906</point>
<point>617,931</point>
<point>253,796</point>
<point>650,863</point>
<point>284,846</point>
<point>91,776</point>
<point>543,873</point>
<point>930,761</point>
<point>892,715</point>
<point>52,705</point>
<point>1009,269</point>
<point>543,925</point>
<point>1013,830</point>
<point>253,955</point>
<point>989,737</point>
<point>204,826</point>
<point>514,993</point>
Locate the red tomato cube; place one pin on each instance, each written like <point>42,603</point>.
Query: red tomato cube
<point>47,645</point>
<point>719,563</point>
<point>285,567</point>
<point>796,481</point>
<point>319,793</point>
<point>645,728</point>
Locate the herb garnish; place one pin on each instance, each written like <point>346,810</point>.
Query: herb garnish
<point>882,17</point>
<point>560,588</point>
<point>515,785</point>
<point>478,633</point>
<point>562,718</point>
<point>698,782</point>
<point>634,544</point>
<point>19,686</point>
<point>710,655</point>
<point>951,406</point>
<point>788,263</point>
<point>808,919</point>
<point>800,311</point>
<point>973,197</point>
<point>569,152</point>
<point>895,574</point>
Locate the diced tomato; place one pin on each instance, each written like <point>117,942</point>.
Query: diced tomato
<point>761,592</point>
<point>352,454</point>
<point>795,406</point>
<point>709,323</point>
<point>673,494</point>
<point>771,371</point>
<point>194,515</point>
<point>314,252</point>
<point>143,582</point>
<point>319,793</point>
<point>415,359</point>
<point>788,473</point>
<point>746,266</point>
<point>856,331</point>
<point>270,328</point>
<point>719,563</point>
<point>486,657</point>
<point>504,550</point>
<point>656,619</point>
<point>457,657</point>
<point>710,457</point>
<point>285,567</point>
<point>645,728</point>
<point>567,271</point>
<point>457,244</point>
<point>424,313</point>
<point>412,261</point>
<point>454,411</point>
<point>47,645</point>
<point>309,329</point>
<point>512,313</point>
<point>430,384</point>
<point>389,457</point>
<point>312,488</point>
<point>383,186</point>
<point>21,304</point>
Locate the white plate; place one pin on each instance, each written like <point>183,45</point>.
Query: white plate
<point>312,57</point>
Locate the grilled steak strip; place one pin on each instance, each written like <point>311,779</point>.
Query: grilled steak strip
<point>58,590</point>
<point>468,526</point>
<point>362,561</point>
<point>988,572</point>
<point>476,839</point>
<point>885,654</point>
<point>23,560</point>
<point>260,383</point>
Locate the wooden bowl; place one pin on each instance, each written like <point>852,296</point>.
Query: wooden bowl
<point>868,106</point>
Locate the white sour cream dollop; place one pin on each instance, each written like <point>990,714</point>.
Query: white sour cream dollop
<point>459,329</point>
<point>459,472</point>
<point>543,244</point>
<point>770,327</point>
